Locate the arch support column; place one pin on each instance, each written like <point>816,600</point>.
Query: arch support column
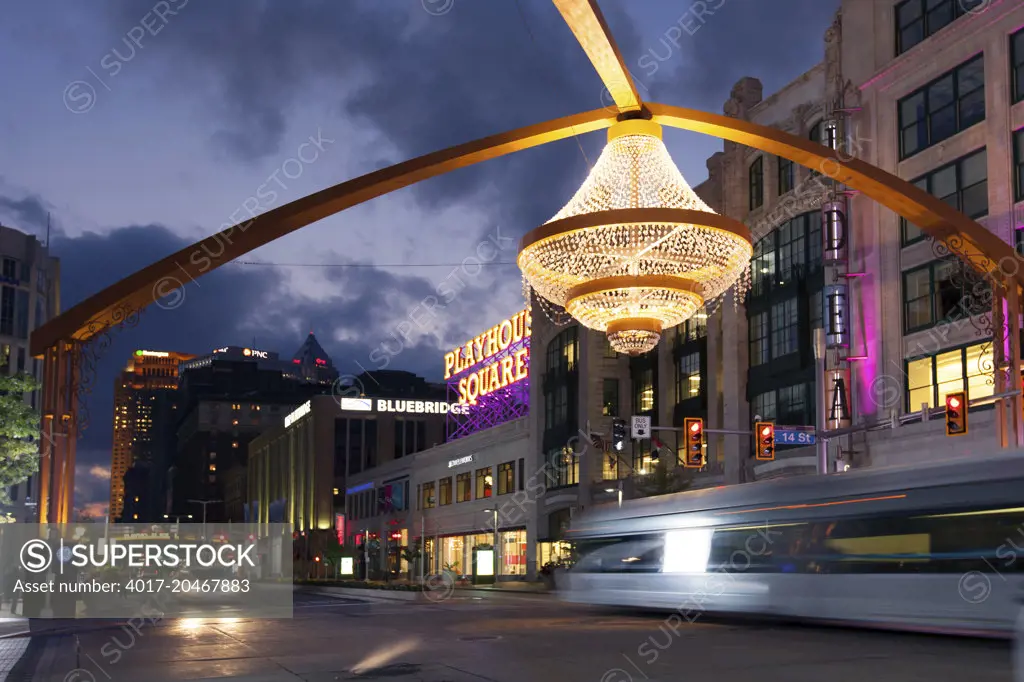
<point>59,431</point>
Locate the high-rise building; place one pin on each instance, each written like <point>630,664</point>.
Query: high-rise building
<point>142,410</point>
<point>29,296</point>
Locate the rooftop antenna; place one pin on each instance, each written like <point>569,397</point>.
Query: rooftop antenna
<point>47,229</point>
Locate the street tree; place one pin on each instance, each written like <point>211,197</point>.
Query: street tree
<point>19,433</point>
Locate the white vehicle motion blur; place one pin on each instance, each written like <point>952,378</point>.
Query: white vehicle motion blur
<point>929,549</point>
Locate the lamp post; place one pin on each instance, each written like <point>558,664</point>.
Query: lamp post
<point>204,503</point>
<point>496,555</point>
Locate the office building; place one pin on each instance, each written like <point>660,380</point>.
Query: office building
<point>297,471</point>
<point>145,416</point>
<point>29,296</point>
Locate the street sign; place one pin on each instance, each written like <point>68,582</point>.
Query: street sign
<point>795,435</point>
<point>641,428</point>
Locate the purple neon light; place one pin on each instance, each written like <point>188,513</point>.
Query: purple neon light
<point>501,406</point>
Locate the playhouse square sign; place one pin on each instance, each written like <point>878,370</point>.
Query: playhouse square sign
<point>495,365</point>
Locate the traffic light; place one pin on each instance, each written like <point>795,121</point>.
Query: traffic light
<point>619,434</point>
<point>956,414</point>
<point>765,434</point>
<point>693,430</point>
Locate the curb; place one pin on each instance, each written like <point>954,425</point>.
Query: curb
<point>369,594</point>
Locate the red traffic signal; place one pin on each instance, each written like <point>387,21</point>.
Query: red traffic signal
<point>693,432</point>
<point>956,414</point>
<point>396,535</point>
<point>764,434</point>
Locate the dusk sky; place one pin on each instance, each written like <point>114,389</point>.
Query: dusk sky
<point>136,149</point>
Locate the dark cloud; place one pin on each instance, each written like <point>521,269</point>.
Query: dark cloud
<point>28,213</point>
<point>695,61</point>
<point>240,305</point>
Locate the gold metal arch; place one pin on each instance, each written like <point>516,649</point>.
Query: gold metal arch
<point>60,339</point>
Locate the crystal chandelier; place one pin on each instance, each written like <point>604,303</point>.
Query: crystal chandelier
<point>635,251</point>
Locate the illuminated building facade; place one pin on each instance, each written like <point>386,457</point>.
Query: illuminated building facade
<point>490,377</point>
<point>298,468</point>
<point>29,296</point>
<point>932,92</point>
<point>144,408</point>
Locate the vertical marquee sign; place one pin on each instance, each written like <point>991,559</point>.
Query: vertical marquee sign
<point>489,376</point>
<point>835,302</point>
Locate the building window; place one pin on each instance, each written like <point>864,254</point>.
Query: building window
<point>556,406</point>
<point>643,391</point>
<point>1018,164</point>
<point>21,315</point>
<point>522,473</point>
<point>7,305</point>
<point>759,348</point>
<point>948,105</point>
<point>1017,64</point>
<point>610,398</point>
<point>963,184</point>
<point>763,265</point>
<point>785,331</point>
<point>562,351</point>
<point>787,406</point>
<point>792,249</point>
<point>816,311</point>
<point>786,176</point>
<point>696,327</point>
<point>463,487</point>
<point>428,495</point>
<point>815,134</point>
<point>920,19</point>
<point>506,478</point>
<point>484,483</point>
<point>930,379</point>
<point>931,295</point>
<point>565,467</point>
<point>757,183</point>
<point>445,491</point>
<point>688,384</point>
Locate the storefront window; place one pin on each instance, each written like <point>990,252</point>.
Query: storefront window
<point>513,552</point>
<point>484,483</point>
<point>452,554</point>
<point>553,553</point>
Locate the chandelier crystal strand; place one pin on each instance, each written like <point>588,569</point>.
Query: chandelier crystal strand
<point>635,251</point>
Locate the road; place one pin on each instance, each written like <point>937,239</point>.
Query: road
<point>492,638</point>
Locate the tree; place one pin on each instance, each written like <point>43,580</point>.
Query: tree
<point>664,481</point>
<point>411,555</point>
<point>19,433</point>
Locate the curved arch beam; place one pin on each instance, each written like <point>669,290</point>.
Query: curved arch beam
<point>980,247</point>
<point>984,250</point>
<point>135,292</point>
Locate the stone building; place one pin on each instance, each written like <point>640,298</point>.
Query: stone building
<point>933,95</point>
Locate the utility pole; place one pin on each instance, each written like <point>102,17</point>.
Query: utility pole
<point>205,503</point>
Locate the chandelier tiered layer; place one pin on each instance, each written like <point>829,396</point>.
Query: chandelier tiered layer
<point>635,251</point>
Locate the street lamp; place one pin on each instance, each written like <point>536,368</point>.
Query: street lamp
<point>495,512</point>
<point>205,503</point>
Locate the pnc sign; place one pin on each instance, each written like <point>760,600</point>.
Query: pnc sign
<point>493,367</point>
<point>249,352</point>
